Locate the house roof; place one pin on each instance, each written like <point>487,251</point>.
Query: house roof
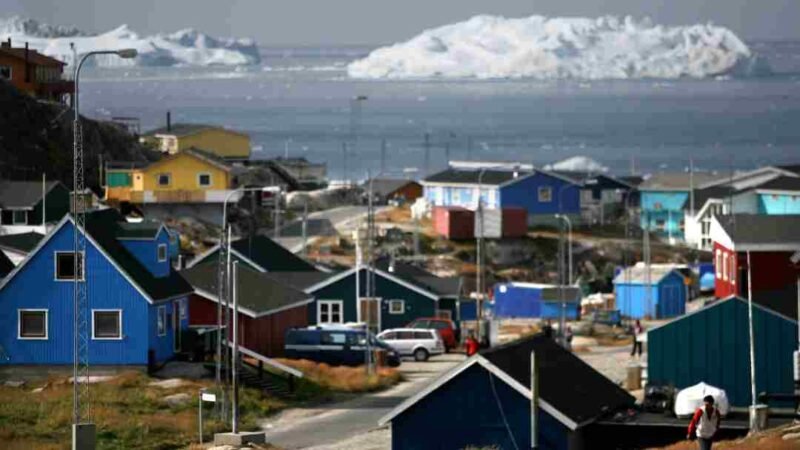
<point>264,253</point>
<point>460,176</point>
<point>6,266</point>
<point>103,227</point>
<point>141,230</point>
<point>386,186</point>
<point>442,286</point>
<point>197,153</point>
<point>591,178</point>
<point>638,274</point>
<point>761,232</point>
<point>791,168</point>
<point>258,293</point>
<point>566,382</point>
<point>782,183</point>
<point>23,194</point>
<point>126,165</point>
<point>569,389</point>
<point>677,180</point>
<point>302,280</point>
<point>20,243</point>
<point>633,180</point>
<point>550,292</point>
<point>412,285</point>
<point>34,57</point>
<point>186,129</point>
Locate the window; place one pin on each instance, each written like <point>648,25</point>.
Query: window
<point>390,336</point>
<point>331,338</point>
<point>683,225</point>
<point>422,335</point>
<point>724,266</point>
<point>397,306</point>
<point>106,324</point>
<point>5,72</point>
<point>732,270</point>
<point>163,179</point>
<point>204,179</point>
<point>32,324</point>
<point>162,252</point>
<point>65,266</point>
<point>404,335</point>
<point>545,194</point>
<point>718,264</point>
<point>329,311</point>
<point>162,321</point>
<point>661,224</point>
<point>19,217</point>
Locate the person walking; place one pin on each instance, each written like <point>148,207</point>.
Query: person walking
<point>568,335</point>
<point>471,345</point>
<point>704,424</point>
<point>638,330</point>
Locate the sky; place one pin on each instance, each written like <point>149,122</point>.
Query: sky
<point>370,22</point>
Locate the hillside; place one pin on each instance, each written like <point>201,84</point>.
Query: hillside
<point>36,138</point>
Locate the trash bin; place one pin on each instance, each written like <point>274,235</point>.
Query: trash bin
<point>634,379</point>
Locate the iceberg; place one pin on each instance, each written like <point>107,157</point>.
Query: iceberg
<point>538,47</point>
<point>578,164</point>
<point>185,47</point>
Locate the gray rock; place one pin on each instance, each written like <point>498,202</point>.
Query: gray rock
<point>14,383</point>
<point>791,436</point>
<point>177,399</point>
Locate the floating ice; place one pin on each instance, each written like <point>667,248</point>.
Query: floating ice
<point>578,164</point>
<point>184,47</point>
<point>539,47</point>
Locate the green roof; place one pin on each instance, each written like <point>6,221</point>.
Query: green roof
<point>259,293</point>
<point>21,242</point>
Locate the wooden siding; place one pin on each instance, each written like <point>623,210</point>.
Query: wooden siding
<point>466,412</point>
<point>146,252</point>
<point>34,287</point>
<point>224,143</point>
<point>565,197</point>
<point>183,169</point>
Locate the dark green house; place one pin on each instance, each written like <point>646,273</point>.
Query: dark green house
<point>712,345</point>
<point>22,203</point>
<point>398,299</point>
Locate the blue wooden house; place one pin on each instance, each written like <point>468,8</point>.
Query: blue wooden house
<point>486,402</point>
<point>662,296</point>
<point>137,305</point>
<point>663,198</point>
<point>541,193</point>
<point>534,300</point>
<point>712,345</point>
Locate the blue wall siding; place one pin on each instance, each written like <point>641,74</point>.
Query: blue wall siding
<point>146,252</point>
<point>712,346</point>
<point>416,304</point>
<point>667,298</point>
<point>781,204</point>
<point>163,346</point>
<point>521,301</point>
<point>34,287</point>
<point>465,412</point>
<point>666,206</point>
<point>525,194</point>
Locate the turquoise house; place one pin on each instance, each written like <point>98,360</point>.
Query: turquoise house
<point>780,196</point>
<point>664,197</point>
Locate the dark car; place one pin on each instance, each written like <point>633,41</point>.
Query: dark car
<point>336,346</point>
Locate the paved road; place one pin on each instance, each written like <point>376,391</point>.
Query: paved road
<point>308,427</point>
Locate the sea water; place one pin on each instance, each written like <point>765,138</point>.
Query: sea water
<point>299,103</point>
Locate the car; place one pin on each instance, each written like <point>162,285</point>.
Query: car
<point>416,342</point>
<point>334,345</point>
<point>445,327</point>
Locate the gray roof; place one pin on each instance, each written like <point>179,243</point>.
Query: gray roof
<point>21,242</point>
<point>723,191</point>
<point>300,280</point>
<point>782,183</point>
<point>23,194</point>
<point>258,292</point>
<point>181,129</point>
<point>638,274</point>
<point>441,286</point>
<point>386,186</point>
<point>142,230</point>
<point>677,180</point>
<point>761,229</point>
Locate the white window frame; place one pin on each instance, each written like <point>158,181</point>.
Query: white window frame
<point>158,252</point>
<point>182,309</point>
<point>164,174</point>
<point>718,265</point>
<point>397,301</point>
<point>55,266</point>
<point>330,315</point>
<point>10,72</point>
<point>119,320</point>
<point>210,180</point>
<point>542,190</point>
<point>732,269</point>
<point>662,226</point>
<point>161,321</point>
<point>725,266</point>
<point>46,324</point>
<point>14,217</point>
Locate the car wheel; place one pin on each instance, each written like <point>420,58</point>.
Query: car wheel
<point>420,355</point>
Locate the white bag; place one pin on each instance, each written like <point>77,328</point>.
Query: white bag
<point>688,400</point>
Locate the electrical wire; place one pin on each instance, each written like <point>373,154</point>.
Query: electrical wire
<point>502,412</point>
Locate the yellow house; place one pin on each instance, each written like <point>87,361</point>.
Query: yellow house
<point>190,176</point>
<point>222,142</point>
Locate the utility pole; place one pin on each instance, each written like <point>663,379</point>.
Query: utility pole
<point>305,228</point>
<point>754,425</point>
<point>646,257</point>
<point>277,210</point>
<point>235,365</point>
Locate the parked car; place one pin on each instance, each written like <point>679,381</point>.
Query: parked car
<point>335,346</point>
<point>416,342</point>
<point>445,327</point>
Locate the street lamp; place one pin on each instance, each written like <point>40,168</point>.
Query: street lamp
<point>355,124</point>
<point>221,272</point>
<point>81,433</point>
<point>566,220</point>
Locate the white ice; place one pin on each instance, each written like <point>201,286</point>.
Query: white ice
<point>539,47</point>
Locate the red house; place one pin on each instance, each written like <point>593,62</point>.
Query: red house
<point>267,306</point>
<point>771,241</point>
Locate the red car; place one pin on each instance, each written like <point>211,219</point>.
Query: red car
<point>445,327</point>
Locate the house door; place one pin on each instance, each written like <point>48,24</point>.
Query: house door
<point>176,325</point>
<point>370,313</point>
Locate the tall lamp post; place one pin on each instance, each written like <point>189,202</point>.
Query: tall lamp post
<point>223,276</point>
<point>83,433</point>
<point>560,216</point>
<point>355,125</point>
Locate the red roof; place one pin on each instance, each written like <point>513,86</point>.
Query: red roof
<point>34,57</point>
